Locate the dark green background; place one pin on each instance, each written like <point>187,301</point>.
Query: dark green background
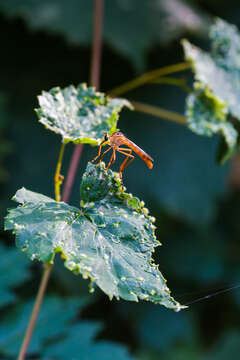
<point>197,211</point>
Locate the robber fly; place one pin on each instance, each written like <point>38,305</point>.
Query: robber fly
<point>115,141</point>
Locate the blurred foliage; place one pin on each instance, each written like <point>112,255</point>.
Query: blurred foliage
<point>80,340</point>
<point>9,277</point>
<point>216,91</point>
<point>57,333</point>
<point>155,21</point>
<point>197,210</point>
<point>207,115</point>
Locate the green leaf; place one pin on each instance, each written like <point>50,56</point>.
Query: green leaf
<point>79,114</point>
<point>80,340</point>
<point>110,239</point>
<point>10,277</point>
<point>53,321</point>
<point>206,115</point>
<point>218,75</point>
<point>129,28</point>
<point>54,335</point>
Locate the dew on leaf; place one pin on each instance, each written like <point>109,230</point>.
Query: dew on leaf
<point>84,243</point>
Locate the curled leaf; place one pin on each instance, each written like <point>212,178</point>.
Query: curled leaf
<point>207,115</point>
<point>218,75</point>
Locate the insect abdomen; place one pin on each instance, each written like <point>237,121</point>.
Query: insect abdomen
<point>144,156</point>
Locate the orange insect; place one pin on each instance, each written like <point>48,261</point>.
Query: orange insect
<point>115,141</point>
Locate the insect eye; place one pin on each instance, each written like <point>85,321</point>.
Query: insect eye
<point>106,137</point>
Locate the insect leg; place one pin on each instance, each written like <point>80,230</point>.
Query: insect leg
<point>111,161</point>
<point>99,151</point>
<point>129,158</point>
<point>103,155</point>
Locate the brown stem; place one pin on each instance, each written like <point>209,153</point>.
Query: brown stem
<point>97,43</point>
<point>94,81</point>
<point>95,76</point>
<point>77,152</point>
<point>36,308</point>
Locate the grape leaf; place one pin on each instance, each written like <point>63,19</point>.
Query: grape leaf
<point>80,340</point>
<point>206,115</point>
<point>129,27</point>
<point>109,239</point>
<point>11,278</point>
<point>53,321</point>
<point>79,114</point>
<point>218,75</point>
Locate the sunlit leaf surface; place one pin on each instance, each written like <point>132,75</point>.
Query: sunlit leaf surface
<point>109,239</point>
<point>81,114</point>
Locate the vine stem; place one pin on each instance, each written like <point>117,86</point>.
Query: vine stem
<point>94,81</point>
<point>159,112</point>
<point>47,268</point>
<point>149,76</point>
<point>77,152</point>
<point>58,179</point>
<point>95,77</point>
<point>35,311</point>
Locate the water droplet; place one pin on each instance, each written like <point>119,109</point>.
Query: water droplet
<point>19,227</point>
<point>146,211</point>
<point>144,297</point>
